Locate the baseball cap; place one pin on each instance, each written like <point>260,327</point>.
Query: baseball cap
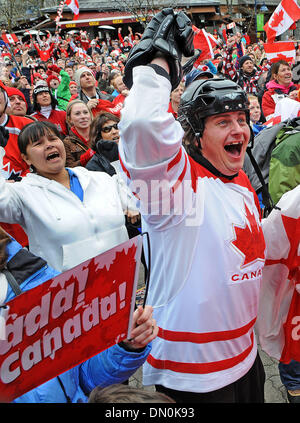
<point>197,73</point>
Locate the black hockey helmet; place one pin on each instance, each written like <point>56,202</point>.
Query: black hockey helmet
<point>210,97</point>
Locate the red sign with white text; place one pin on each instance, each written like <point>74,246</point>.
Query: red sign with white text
<point>68,319</point>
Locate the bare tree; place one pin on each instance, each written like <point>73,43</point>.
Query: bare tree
<point>12,12</point>
<point>143,10</point>
<point>229,5</point>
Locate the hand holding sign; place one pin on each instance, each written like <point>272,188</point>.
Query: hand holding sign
<point>144,328</point>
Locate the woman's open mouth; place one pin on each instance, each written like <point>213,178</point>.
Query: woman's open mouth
<point>52,156</point>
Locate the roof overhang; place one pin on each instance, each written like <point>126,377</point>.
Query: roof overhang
<point>96,19</point>
<point>89,19</point>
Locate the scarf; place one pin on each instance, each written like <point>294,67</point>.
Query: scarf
<point>76,133</point>
<point>274,85</point>
<point>46,111</point>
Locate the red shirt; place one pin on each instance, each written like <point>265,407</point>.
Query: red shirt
<point>58,117</point>
<point>14,168</point>
<point>13,164</point>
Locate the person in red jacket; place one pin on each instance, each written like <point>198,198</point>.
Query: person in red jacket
<point>44,105</point>
<point>280,85</point>
<point>97,100</point>
<point>44,52</point>
<point>14,167</point>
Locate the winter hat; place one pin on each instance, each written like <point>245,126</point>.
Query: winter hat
<point>79,72</point>
<point>37,75</point>
<point>14,91</point>
<point>4,89</point>
<point>243,59</point>
<point>40,88</point>
<point>72,83</point>
<point>50,77</point>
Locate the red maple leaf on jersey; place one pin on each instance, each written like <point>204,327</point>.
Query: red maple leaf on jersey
<point>277,19</point>
<point>249,240</point>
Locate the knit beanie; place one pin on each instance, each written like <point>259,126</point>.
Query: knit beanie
<point>40,88</point>
<point>50,77</point>
<point>79,72</point>
<point>243,59</point>
<point>14,91</point>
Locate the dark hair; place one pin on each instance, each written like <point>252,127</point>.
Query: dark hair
<point>96,127</point>
<point>40,67</point>
<point>189,140</point>
<point>34,131</point>
<point>120,393</point>
<point>275,67</point>
<point>37,106</point>
<point>4,240</point>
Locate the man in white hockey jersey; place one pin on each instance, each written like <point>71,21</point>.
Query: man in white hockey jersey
<point>203,218</point>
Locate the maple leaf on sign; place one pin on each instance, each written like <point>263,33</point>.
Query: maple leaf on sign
<point>281,57</point>
<point>249,240</point>
<point>277,19</point>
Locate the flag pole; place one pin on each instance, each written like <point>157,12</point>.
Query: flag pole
<point>14,59</point>
<point>59,14</point>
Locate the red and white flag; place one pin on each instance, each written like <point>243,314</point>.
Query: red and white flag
<point>279,309</point>
<point>231,25</point>
<point>9,38</point>
<point>205,42</point>
<point>281,50</point>
<point>285,14</point>
<point>74,6</point>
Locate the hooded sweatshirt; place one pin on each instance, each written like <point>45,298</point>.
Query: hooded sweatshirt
<point>61,228</point>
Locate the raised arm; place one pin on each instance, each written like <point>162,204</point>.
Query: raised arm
<point>149,134</point>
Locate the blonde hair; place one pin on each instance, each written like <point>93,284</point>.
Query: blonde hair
<point>70,106</point>
<point>252,97</point>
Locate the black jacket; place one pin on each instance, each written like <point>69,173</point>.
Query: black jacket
<point>106,152</point>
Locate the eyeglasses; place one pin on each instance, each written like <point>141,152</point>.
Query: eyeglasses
<point>109,128</point>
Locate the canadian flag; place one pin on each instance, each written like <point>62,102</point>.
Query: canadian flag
<point>231,25</point>
<point>81,53</point>
<point>282,50</point>
<point>74,6</point>
<point>9,38</point>
<point>285,14</point>
<point>205,42</point>
<point>278,318</point>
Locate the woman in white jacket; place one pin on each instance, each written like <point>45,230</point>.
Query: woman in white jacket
<point>69,215</point>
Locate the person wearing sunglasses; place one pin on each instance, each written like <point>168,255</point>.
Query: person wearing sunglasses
<point>104,138</point>
<point>108,128</point>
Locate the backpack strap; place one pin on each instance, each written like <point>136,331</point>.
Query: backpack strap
<point>266,198</point>
<point>12,281</point>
